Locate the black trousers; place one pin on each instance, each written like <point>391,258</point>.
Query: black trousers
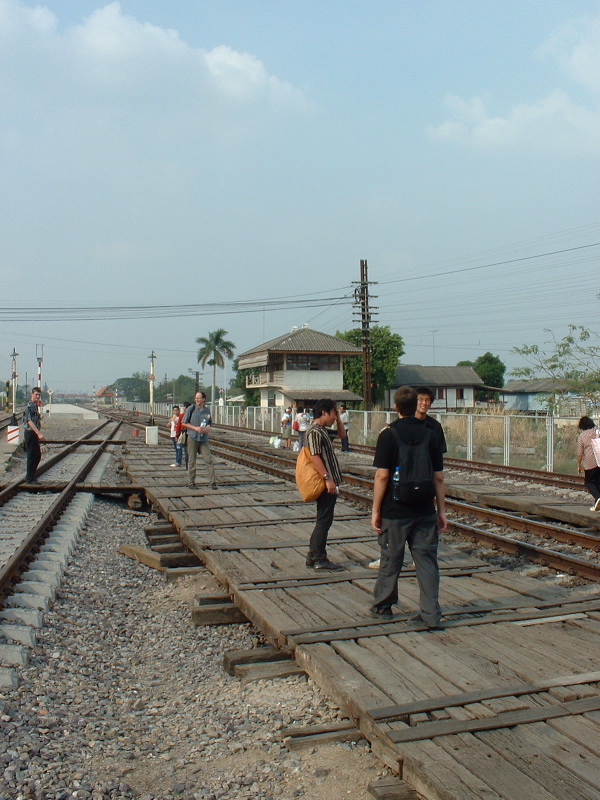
<point>592,482</point>
<point>34,454</point>
<point>317,548</point>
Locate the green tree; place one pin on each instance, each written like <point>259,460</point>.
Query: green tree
<point>212,349</point>
<point>573,362</point>
<point>134,389</point>
<point>175,390</point>
<point>490,369</point>
<point>386,349</point>
<point>238,385</point>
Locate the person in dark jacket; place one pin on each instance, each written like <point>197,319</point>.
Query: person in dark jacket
<point>32,435</point>
<point>398,524</point>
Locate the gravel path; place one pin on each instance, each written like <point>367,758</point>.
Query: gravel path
<point>124,698</point>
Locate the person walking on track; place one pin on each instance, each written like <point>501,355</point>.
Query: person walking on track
<point>197,421</point>
<point>32,434</point>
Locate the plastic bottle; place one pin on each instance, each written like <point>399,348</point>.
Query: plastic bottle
<point>396,483</point>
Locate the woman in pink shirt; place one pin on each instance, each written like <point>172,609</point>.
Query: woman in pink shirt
<point>587,463</point>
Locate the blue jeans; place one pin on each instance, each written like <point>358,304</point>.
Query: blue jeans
<point>178,450</point>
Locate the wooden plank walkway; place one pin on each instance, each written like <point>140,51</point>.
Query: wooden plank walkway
<point>503,702</point>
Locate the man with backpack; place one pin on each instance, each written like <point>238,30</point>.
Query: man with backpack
<point>409,478</point>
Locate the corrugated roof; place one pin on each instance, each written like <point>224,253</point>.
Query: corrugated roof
<point>539,385</point>
<point>305,340</point>
<point>416,375</point>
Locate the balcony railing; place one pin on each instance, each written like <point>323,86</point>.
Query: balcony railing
<point>265,379</point>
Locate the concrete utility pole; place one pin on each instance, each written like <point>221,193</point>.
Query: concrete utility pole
<point>197,374</point>
<point>39,354</point>
<point>14,386</point>
<point>361,302</point>
<point>433,333</point>
<point>152,356</point>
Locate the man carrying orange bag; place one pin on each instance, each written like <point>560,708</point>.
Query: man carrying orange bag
<point>326,464</point>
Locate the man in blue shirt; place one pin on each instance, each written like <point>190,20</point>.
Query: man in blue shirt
<point>197,421</point>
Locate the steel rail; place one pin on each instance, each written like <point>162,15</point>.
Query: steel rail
<point>11,567</point>
<point>558,479</point>
<point>562,562</point>
<point>281,467</point>
<point>10,489</point>
<point>539,555</point>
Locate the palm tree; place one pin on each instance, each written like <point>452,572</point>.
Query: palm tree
<point>212,349</point>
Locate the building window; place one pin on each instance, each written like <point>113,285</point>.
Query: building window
<point>440,394</point>
<point>460,394</point>
<point>275,363</point>
<point>309,362</point>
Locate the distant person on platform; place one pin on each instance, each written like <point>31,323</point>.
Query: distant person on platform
<point>346,423</point>
<point>303,421</point>
<point>173,435</point>
<point>424,401</point>
<point>408,518</point>
<point>197,422</point>
<point>182,434</point>
<point>286,428</point>
<point>32,434</point>
<point>325,462</point>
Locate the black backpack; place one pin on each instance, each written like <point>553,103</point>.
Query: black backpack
<point>416,487</point>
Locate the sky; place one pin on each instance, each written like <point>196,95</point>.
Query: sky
<point>171,168</point>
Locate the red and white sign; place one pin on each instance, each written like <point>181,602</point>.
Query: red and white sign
<point>12,434</point>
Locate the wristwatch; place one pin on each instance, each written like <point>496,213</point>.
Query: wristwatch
<point>326,477</point>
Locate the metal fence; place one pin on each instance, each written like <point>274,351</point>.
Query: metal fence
<point>532,442</point>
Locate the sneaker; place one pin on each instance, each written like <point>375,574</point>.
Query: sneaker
<point>374,564</point>
<point>417,619</point>
<point>214,486</point>
<point>310,562</point>
<point>596,506</point>
<point>191,485</point>
<point>328,565</point>
<point>383,613</point>
<point>173,465</point>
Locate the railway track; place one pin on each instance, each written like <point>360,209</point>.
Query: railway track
<point>484,526</point>
<point>28,513</point>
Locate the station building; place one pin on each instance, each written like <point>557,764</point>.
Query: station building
<point>299,368</point>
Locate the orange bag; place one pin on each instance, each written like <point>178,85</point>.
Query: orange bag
<point>310,484</point>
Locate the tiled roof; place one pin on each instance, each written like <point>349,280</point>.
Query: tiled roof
<point>538,385</point>
<point>416,375</point>
<point>305,340</point>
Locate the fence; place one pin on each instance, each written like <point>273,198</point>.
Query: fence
<point>540,442</point>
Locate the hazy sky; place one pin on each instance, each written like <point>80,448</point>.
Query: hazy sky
<point>183,152</point>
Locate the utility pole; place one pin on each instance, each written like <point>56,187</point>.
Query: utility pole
<point>197,374</point>
<point>361,303</point>
<point>433,333</point>
<point>152,356</point>
<point>39,354</point>
<point>14,386</point>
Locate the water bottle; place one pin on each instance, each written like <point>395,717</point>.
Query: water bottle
<point>396,484</point>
